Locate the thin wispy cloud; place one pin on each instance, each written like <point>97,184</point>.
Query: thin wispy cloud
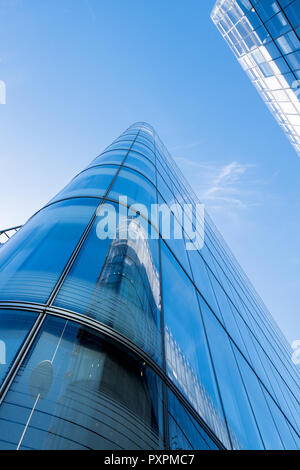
<point>188,146</point>
<point>231,187</point>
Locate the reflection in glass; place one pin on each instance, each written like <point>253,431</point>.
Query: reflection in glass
<point>187,356</point>
<point>33,259</point>
<point>117,283</point>
<point>14,327</point>
<point>78,391</point>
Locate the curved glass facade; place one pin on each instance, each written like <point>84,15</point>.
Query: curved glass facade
<point>136,342</point>
<point>264,35</point>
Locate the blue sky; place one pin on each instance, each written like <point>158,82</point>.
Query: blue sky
<point>78,72</point>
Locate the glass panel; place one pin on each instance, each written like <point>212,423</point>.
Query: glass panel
<point>185,433</point>
<point>201,279</point>
<point>171,231</point>
<point>288,436</point>
<point>14,327</point>
<point>144,149</point>
<point>261,411</point>
<point>133,185</point>
<point>188,360</point>
<point>33,259</point>
<point>114,157</point>
<point>142,164</point>
<point>92,182</point>
<point>241,423</point>
<point>77,390</point>
<point>116,281</point>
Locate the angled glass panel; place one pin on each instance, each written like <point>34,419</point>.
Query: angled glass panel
<point>76,390</point>
<point>94,182</point>
<point>116,282</point>
<point>264,418</point>
<point>114,157</point>
<point>201,279</point>
<point>135,187</point>
<point>14,328</point>
<point>185,432</point>
<point>288,435</point>
<point>144,149</point>
<point>242,426</point>
<point>138,162</point>
<point>187,355</point>
<point>32,260</point>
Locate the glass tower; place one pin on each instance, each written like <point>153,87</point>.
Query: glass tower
<point>136,342</point>
<point>264,35</point>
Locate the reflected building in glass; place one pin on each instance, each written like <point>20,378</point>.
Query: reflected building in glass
<point>264,35</point>
<point>135,342</point>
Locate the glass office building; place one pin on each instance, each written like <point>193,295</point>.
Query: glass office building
<point>264,35</point>
<point>136,342</point>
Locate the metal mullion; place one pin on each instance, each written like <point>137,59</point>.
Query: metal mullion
<point>162,320</point>
<point>19,359</point>
<point>209,351</point>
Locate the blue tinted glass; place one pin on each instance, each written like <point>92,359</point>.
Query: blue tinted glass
<point>144,149</point>
<point>264,418</point>
<point>184,431</point>
<point>113,157</point>
<point>36,255</point>
<point>117,283</point>
<point>188,361</point>
<point>289,438</point>
<point>293,13</point>
<point>240,419</point>
<point>142,164</point>
<point>133,185</point>
<point>92,182</point>
<point>14,327</point>
<point>75,390</point>
<point>202,281</point>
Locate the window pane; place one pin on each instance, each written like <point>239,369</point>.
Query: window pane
<point>185,432</point>
<point>261,411</point>
<point>77,390</point>
<point>242,427</point>
<point>14,327</point>
<point>113,157</point>
<point>36,255</point>
<point>142,164</point>
<point>188,361</point>
<point>92,182</point>
<point>201,279</point>
<point>117,283</point>
<point>137,189</point>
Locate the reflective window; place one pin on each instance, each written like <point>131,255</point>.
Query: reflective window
<point>117,283</point>
<point>144,149</point>
<point>113,157</point>
<point>187,355</point>
<point>142,164</point>
<point>263,417</point>
<point>293,13</point>
<point>33,259</point>
<point>202,281</point>
<point>92,182</point>
<point>76,390</point>
<point>240,418</point>
<point>133,185</point>
<point>185,432</point>
<point>14,327</point>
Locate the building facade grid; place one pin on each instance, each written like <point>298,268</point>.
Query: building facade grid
<point>136,335</point>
